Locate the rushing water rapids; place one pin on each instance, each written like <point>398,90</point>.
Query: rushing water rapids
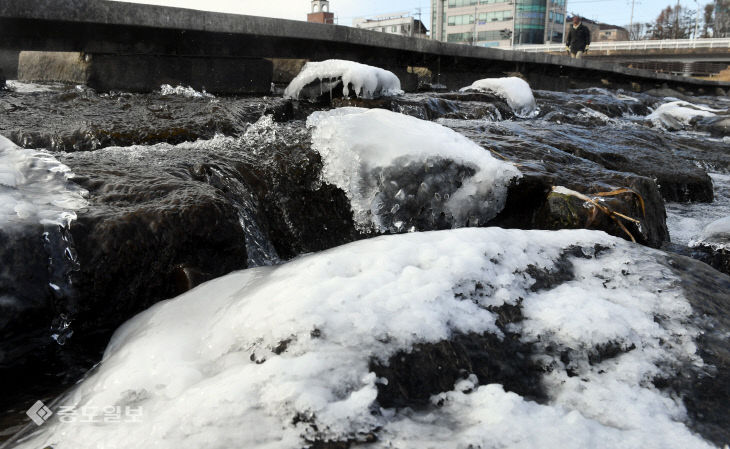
<point>570,332</point>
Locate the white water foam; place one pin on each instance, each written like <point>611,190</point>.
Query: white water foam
<point>35,188</point>
<point>367,81</point>
<point>514,90</point>
<point>276,357</point>
<point>183,91</point>
<point>355,142</point>
<point>686,221</point>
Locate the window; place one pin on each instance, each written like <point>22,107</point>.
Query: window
<point>494,35</point>
<point>494,16</point>
<point>466,19</point>
<point>460,3</point>
<point>394,29</point>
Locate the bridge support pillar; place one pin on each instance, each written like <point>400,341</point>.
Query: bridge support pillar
<point>146,73</point>
<point>9,64</point>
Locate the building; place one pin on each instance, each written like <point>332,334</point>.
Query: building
<point>401,24</point>
<point>497,23</point>
<point>321,12</point>
<point>601,32</point>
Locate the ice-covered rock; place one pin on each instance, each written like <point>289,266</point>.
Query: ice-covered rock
<point>391,166</point>
<point>677,115</point>
<point>282,357</point>
<point>514,90</point>
<point>35,188</point>
<point>317,78</point>
<point>717,233</point>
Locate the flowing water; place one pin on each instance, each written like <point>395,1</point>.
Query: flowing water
<point>175,188</point>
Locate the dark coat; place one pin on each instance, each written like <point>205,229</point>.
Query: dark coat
<point>578,38</point>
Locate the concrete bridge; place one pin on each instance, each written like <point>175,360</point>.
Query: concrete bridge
<point>688,57</point>
<point>138,47</point>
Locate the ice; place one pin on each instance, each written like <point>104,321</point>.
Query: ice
<point>514,90</point>
<point>717,233</point>
<point>183,91</point>
<point>35,188</point>
<point>24,87</point>
<point>366,81</point>
<point>279,357</point>
<point>676,115</point>
<point>369,151</point>
<point>686,221</point>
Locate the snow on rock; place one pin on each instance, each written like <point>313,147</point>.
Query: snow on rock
<point>393,166</point>
<point>366,81</point>
<point>676,115</point>
<point>35,188</point>
<point>281,357</point>
<point>514,90</point>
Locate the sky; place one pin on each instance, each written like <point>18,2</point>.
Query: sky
<point>616,12</point>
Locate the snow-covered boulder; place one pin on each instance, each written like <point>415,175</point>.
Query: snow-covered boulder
<point>677,115</point>
<point>297,355</point>
<point>393,167</point>
<point>515,91</point>
<point>318,78</point>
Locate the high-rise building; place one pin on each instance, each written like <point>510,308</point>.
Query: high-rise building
<point>321,12</point>
<point>497,23</point>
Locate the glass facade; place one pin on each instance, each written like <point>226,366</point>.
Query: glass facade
<point>494,35</point>
<point>498,22</point>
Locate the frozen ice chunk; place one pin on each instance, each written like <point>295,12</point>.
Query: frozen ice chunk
<point>366,81</point>
<point>514,90</point>
<point>280,356</point>
<point>375,155</point>
<point>678,114</point>
<point>35,188</point>
<point>717,233</point>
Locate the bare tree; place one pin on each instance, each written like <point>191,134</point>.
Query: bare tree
<point>709,20</point>
<point>673,23</point>
<point>722,19</point>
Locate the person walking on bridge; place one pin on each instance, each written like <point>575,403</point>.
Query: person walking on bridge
<point>579,38</point>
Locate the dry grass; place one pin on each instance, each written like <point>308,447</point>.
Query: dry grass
<point>722,76</point>
<point>597,207</point>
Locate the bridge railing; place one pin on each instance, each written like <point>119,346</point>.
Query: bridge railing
<point>667,44</point>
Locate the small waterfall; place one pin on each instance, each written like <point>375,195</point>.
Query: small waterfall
<point>62,263</point>
<point>260,251</point>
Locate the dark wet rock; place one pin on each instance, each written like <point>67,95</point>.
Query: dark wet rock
<point>436,106</point>
<point>79,119</point>
<point>429,369</point>
<point>530,205</point>
<point>667,92</point>
<point>714,256</point>
<point>570,108</point>
<point>674,161</point>
<point>717,126</point>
